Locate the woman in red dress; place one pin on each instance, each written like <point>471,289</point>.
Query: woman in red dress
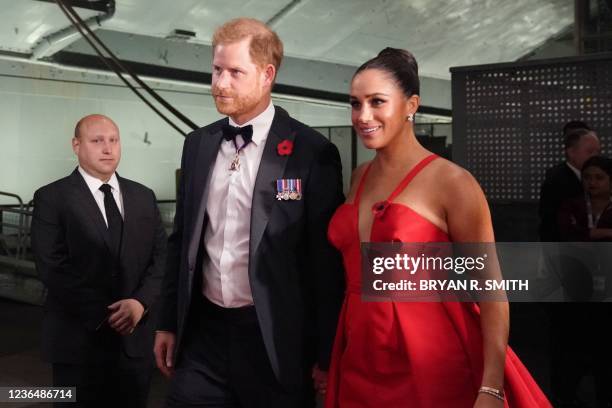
<point>409,354</point>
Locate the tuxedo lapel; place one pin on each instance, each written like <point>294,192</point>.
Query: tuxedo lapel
<point>207,154</point>
<point>129,210</point>
<point>271,168</point>
<point>90,206</point>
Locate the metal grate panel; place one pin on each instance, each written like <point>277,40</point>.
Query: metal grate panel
<point>508,119</point>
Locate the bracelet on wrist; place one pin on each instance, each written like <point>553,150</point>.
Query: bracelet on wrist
<point>494,392</point>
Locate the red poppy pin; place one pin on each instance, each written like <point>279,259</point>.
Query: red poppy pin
<point>285,148</point>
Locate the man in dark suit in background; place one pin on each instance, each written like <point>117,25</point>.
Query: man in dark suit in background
<point>253,289</point>
<point>569,322</point>
<point>563,180</point>
<point>100,248</point>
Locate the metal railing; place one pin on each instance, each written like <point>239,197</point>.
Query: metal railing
<point>18,277</point>
<point>14,236</point>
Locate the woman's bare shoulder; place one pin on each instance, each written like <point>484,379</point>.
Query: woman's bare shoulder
<point>452,175</point>
<point>465,205</point>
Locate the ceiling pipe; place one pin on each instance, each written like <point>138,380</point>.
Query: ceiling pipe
<point>113,64</point>
<point>581,11</point>
<point>272,22</point>
<point>96,5</point>
<point>59,40</point>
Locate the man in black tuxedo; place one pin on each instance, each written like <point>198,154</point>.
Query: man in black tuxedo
<point>100,249</point>
<point>253,289</point>
<point>569,322</point>
<point>563,181</point>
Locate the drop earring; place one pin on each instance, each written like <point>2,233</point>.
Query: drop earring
<point>410,117</point>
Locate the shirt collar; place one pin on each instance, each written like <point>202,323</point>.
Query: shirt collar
<point>95,183</point>
<point>575,170</point>
<point>261,124</point>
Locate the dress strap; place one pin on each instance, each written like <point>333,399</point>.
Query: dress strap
<point>361,183</point>
<point>411,174</point>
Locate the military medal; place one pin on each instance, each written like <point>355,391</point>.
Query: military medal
<point>235,165</point>
<point>289,189</point>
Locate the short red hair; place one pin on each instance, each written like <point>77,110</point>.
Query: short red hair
<point>265,47</point>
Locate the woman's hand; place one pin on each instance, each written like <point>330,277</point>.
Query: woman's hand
<point>488,401</point>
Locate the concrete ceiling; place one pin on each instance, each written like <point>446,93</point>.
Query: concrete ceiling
<point>441,33</point>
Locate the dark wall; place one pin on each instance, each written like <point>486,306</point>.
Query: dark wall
<point>507,127</point>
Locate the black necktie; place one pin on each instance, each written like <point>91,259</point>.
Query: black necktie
<point>230,132</point>
<point>113,219</point>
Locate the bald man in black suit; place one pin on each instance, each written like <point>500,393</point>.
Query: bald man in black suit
<point>99,247</point>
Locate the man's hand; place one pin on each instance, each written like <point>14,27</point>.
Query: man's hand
<point>164,352</point>
<point>125,315</point>
<point>319,378</point>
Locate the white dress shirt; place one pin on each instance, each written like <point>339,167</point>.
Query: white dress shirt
<point>94,186</point>
<point>227,234</point>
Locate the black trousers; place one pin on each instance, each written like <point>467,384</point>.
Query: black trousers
<point>224,363</point>
<point>118,382</point>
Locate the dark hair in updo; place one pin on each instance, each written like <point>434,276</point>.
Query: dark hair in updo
<point>402,66</point>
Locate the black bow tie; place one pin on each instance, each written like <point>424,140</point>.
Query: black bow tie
<point>230,132</point>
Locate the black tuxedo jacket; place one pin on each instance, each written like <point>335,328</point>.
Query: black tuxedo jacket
<point>296,276</point>
<point>560,184</point>
<point>73,258</point>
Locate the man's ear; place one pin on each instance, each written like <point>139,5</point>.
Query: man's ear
<point>269,74</point>
<point>75,145</point>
